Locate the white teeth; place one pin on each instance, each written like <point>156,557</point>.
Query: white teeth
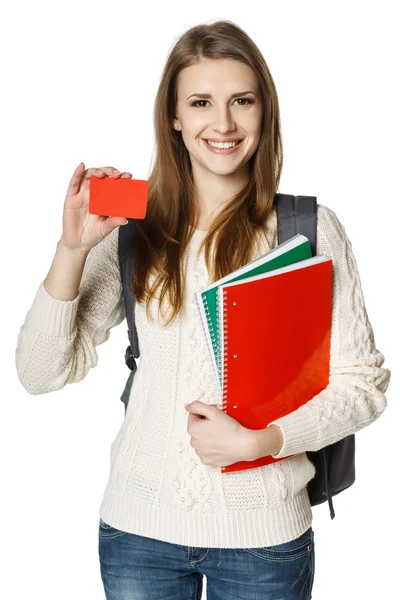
<point>222,145</point>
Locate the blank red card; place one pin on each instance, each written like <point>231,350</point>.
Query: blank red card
<point>120,197</point>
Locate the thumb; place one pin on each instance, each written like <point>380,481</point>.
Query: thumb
<point>111,223</point>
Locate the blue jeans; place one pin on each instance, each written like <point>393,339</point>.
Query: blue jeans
<point>134,567</point>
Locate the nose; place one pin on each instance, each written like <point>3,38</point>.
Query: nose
<point>224,121</point>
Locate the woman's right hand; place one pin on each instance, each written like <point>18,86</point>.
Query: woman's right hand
<point>82,230</point>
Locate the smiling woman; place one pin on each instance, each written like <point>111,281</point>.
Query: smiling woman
<point>168,515</point>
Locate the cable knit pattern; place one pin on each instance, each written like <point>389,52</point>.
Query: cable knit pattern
<point>158,487</point>
<point>192,480</point>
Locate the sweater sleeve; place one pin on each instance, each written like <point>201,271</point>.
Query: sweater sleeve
<point>57,341</point>
<point>354,396</point>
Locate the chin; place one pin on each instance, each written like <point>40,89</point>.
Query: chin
<point>225,171</point>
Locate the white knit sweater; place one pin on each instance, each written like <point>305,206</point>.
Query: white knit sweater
<point>158,487</point>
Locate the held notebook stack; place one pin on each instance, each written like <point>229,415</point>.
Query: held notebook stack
<point>268,328</point>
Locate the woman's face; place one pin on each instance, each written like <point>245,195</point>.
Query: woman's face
<point>219,116</point>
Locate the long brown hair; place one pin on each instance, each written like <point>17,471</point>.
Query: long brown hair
<point>162,237</point>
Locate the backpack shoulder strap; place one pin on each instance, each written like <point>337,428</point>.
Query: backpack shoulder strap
<point>297,214</point>
<point>125,239</point>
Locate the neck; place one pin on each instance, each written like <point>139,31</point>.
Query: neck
<point>213,191</point>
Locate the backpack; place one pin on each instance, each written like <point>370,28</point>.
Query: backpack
<point>334,464</point>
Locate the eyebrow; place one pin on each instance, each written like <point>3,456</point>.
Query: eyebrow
<point>233,95</point>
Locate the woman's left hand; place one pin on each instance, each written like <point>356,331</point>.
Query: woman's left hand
<point>218,439</point>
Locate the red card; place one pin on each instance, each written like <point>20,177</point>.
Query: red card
<point>120,197</point>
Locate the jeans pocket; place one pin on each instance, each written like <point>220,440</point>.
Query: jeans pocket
<point>106,530</point>
<point>300,547</point>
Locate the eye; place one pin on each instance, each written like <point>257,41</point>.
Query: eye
<point>247,100</point>
<point>195,103</point>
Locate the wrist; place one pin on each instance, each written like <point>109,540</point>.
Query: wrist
<point>78,252</point>
<point>276,439</point>
<point>265,442</point>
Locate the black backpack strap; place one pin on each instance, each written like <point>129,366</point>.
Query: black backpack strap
<point>297,214</point>
<point>125,240</point>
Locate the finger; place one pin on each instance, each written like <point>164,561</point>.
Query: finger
<point>98,172</point>
<point>111,171</point>
<point>94,172</point>
<point>75,182</point>
<point>89,173</point>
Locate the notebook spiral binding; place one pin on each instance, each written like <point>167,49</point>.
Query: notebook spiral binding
<point>224,377</point>
<point>225,368</point>
<point>216,348</point>
<point>211,329</point>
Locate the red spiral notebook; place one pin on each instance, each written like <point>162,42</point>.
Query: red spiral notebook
<point>275,331</point>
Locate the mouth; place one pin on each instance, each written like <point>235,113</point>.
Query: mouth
<point>217,150</point>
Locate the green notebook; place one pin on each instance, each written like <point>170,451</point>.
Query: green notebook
<point>293,250</point>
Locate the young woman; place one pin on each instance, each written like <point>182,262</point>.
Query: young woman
<point>168,516</point>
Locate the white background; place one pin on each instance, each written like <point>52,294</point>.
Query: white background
<point>79,82</point>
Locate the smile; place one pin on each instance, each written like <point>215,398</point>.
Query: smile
<point>217,150</point>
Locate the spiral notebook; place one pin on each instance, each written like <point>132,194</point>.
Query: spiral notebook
<point>293,250</point>
<point>275,331</point>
